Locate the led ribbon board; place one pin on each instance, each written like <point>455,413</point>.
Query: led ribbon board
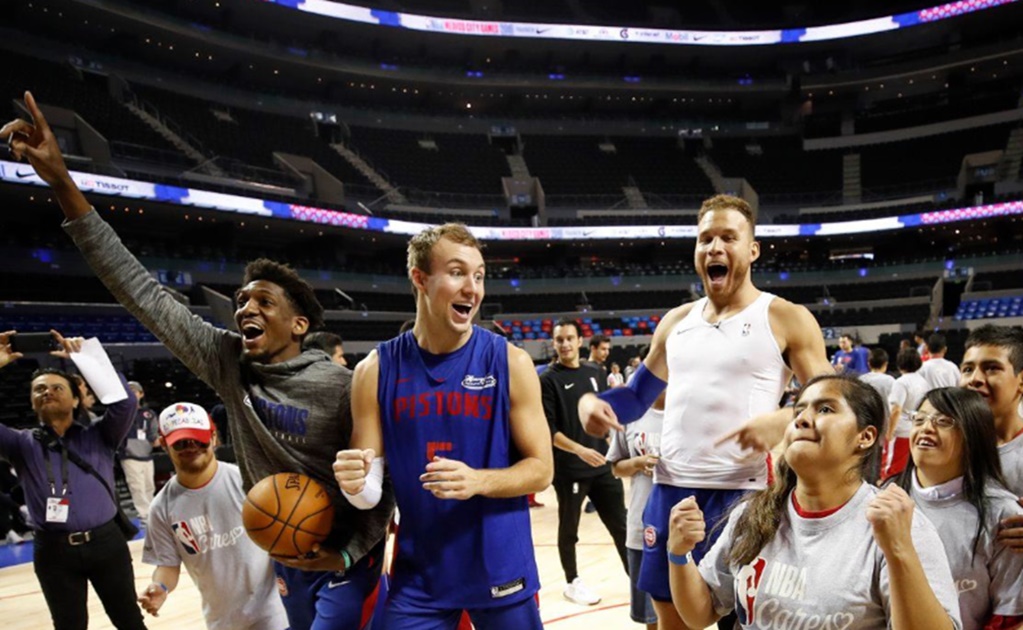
<point>116,187</point>
<point>628,34</point>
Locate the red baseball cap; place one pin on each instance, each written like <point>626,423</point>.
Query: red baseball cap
<point>185,421</point>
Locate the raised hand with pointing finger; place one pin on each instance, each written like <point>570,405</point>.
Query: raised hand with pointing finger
<point>34,141</point>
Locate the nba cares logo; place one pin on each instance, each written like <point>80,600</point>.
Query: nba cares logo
<point>188,541</point>
<point>747,583</point>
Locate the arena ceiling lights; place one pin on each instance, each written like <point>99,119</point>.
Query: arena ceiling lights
<point>628,34</point>
<point>18,173</point>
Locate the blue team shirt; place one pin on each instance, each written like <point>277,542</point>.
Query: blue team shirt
<point>453,554</point>
<point>854,362</point>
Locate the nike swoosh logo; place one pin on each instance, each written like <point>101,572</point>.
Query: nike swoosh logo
<point>23,175</point>
<point>333,584</point>
<point>570,386</point>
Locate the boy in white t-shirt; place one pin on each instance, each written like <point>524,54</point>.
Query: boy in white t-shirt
<point>878,376</point>
<point>939,371</point>
<point>993,367</point>
<point>196,520</point>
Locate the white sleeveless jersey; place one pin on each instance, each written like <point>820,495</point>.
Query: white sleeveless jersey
<point>719,376</point>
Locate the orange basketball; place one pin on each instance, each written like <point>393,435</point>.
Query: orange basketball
<point>287,513</point>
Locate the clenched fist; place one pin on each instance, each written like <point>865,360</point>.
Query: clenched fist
<point>686,527</point>
<point>351,468</point>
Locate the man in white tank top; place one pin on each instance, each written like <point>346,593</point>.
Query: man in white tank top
<point>726,359</point>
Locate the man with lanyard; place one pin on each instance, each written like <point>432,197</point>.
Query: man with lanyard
<point>77,540</point>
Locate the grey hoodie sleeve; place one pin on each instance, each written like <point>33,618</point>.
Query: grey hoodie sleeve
<point>197,344</point>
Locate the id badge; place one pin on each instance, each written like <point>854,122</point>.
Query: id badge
<point>141,434</point>
<point>57,509</point>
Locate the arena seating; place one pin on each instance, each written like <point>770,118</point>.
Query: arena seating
<point>107,328</point>
<point>929,161</point>
<point>47,288</point>
<point>366,329</point>
<point>660,166</point>
<point>16,410</point>
<point>541,328</point>
<point>461,163</point>
<point>781,167</point>
<point>998,280</point>
<point>574,165</point>
<point>62,85</point>
<point>167,381</point>
<point>925,109</point>
<point>989,308</point>
<point>252,138</point>
<point>872,315</point>
<point>858,291</point>
<point>625,217</point>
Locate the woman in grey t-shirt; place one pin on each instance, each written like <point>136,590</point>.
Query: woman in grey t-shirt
<point>955,478</point>
<point>821,547</point>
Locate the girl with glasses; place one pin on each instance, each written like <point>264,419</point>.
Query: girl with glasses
<point>955,478</point>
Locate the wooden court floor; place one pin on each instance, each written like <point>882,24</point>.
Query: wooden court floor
<point>23,607</point>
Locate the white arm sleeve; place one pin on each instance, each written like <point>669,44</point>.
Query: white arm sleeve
<point>369,496</point>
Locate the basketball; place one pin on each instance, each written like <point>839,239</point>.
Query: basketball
<point>287,513</point>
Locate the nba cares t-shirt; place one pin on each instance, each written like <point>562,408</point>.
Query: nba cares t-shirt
<point>202,529</point>
<point>821,572</point>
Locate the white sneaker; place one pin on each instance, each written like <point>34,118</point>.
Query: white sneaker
<point>578,593</point>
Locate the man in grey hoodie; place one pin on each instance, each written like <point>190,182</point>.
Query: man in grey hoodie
<point>288,410</point>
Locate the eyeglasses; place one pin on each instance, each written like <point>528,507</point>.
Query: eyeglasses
<point>181,445</point>
<point>936,419</point>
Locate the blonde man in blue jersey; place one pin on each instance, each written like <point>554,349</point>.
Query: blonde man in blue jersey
<point>455,410</point>
<point>725,360</point>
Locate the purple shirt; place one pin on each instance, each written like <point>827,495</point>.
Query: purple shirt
<point>90,503</point>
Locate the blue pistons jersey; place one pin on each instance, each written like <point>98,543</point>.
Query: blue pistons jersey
<point>468,554</point>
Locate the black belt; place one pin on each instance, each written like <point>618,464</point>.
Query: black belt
<point>78,538</point>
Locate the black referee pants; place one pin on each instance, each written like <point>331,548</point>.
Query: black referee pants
<point>64,571</point>
<point>608,496</point>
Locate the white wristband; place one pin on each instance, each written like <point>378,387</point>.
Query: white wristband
<point>369,496</point>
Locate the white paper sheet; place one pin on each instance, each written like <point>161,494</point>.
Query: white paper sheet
<point>97,370</point>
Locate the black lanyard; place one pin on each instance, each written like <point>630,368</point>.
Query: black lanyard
<point>63,469</point>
